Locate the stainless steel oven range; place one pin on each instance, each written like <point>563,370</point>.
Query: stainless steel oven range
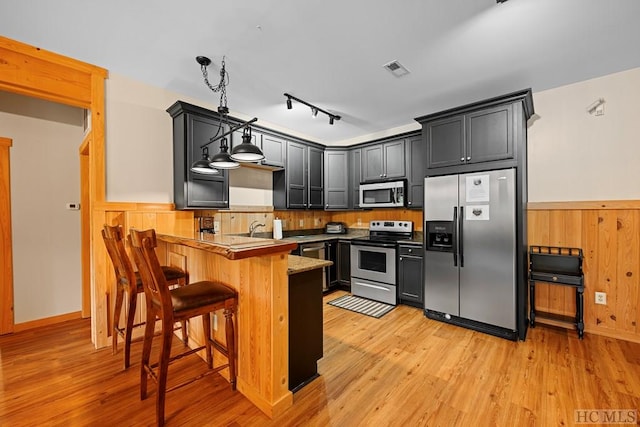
<point>373,260</point>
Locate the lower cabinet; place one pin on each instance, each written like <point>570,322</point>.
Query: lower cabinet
<point>344,264</point>
<point>410,275</point>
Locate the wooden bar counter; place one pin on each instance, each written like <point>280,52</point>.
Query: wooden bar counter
<point>257,269</point>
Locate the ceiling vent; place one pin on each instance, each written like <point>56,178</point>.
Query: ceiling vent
<point>396,68</point>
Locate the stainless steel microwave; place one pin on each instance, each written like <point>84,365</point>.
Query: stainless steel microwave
<point>388,194</point>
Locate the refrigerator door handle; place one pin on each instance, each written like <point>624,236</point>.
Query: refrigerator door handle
<point>455,232</point>
<point>460,236</point>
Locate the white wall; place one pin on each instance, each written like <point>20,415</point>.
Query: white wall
<point>45,175</point>
<point>574,155</point>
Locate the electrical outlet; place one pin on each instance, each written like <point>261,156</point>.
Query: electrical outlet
<point>216,227</point>
<point>301,223</point>
<point>215,322</point>
<point>359,221</point>
<point>601,298</point>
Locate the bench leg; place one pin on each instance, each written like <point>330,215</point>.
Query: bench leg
<point>580,311</point>
<point>532,302</point>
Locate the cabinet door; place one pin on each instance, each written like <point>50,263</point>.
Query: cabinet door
<point>372,166</point>
<point>415,171</point>
<point>445,142</point>
<point>344,263</point>
<point>355,177</point>
<point>332,255</point>
<point>273,149</point>
<point>296,175</point>
<point>393,160</point>
<point>336,179</point>
<point>204,190</point>
<point>315,167</point>
<point>489,134</point>
<point>410,283</point>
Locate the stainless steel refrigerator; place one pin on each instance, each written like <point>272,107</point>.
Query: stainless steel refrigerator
<point>471,250</point>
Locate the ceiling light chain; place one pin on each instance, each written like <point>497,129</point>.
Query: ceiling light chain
<point>222,85</point>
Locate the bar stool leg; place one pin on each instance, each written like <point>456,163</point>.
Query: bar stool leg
<point>231,345</point>
<point>131,314</point>
<point>163,368</point>
<point>116,320</point>
<point>146,352</point>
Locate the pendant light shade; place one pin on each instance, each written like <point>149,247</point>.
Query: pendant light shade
<point>246,152</point>
<point>203,165</point>
<point>223,160</point>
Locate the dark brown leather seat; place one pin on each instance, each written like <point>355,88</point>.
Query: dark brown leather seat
<point>178,304</point>
<point>129,282</point>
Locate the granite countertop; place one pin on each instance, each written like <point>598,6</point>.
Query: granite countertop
<point>232,247</point>
<point>299,264</point>
<point>311,238</point>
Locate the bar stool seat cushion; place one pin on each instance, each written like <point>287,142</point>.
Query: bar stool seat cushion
<point>171,273</point>
<point>200,294</point>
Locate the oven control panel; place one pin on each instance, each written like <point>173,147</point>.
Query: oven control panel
<point>391,226</point>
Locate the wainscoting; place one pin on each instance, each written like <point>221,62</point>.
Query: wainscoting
<point>609,235</point>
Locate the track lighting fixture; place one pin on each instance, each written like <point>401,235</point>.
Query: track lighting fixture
<point>314,109</point>
<point>242,152</point>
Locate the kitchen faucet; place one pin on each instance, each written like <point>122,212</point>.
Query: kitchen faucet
<point>253,227</point>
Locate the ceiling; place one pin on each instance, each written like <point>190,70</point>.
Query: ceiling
<point>331,53</point>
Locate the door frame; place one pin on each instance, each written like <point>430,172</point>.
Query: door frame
<point>31,71</point>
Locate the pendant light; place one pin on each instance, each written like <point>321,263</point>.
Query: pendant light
<point>244,152</point>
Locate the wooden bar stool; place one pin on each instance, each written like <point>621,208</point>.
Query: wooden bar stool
<point>129,282</point>
<point>171,305</point>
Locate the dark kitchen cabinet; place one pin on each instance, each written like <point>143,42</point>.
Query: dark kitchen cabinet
<point>480,136</point>
<point>344,264</point>
<point>416,170</point>
<point>331,249</point>
<point>274,149</point>
<point>475,137</point>
<point>193,127</point>
<point>355,177</point>
<point>383,161</point>
<point>300,184</point>
<point>410,275</point>
<point>336,179</point>
<point>315,165</point>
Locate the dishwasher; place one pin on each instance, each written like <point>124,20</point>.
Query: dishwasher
<point>315,250</point>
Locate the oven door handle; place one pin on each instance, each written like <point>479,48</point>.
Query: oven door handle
<point>378,287</point>
<point>374,245</point>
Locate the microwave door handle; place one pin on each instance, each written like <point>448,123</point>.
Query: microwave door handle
<point>454,237</point>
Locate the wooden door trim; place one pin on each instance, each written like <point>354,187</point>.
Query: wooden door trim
<point>35,72</point>
<point>6,254</point>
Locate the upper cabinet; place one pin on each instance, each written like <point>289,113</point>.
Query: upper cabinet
<point>383,161</point>
<point>193,127</point>
<point>355,177</point>
<point>300,185</point>
<point>336,179</point>
<point>479,136</point>
<point>414,153</point>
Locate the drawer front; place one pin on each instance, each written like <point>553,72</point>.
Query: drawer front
<point>410,251</point>
<point>374,290</point>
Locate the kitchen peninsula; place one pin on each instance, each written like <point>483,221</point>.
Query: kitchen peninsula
<point>258,270</point>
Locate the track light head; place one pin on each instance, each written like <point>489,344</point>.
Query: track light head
<point>330,120</point>
<point>289,105</point>
<point>314,112</point>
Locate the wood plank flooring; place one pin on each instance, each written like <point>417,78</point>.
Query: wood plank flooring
<point>400,370</point>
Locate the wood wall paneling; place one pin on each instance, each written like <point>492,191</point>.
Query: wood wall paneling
<point>609,235</point>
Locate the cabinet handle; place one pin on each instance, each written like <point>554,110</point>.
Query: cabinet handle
<point>410,250</point>
<point>469,158</point>
<point>400,258</point>
<point>462,159</point>
<point>327,205</point>
<point>381,175</point>
<point>409,202</point>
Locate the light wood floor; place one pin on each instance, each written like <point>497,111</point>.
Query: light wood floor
<point>401,370</point>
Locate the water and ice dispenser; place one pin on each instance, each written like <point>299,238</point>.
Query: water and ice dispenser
<point>440,236</point>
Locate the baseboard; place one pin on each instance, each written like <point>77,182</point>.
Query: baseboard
<point>38,323</point>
